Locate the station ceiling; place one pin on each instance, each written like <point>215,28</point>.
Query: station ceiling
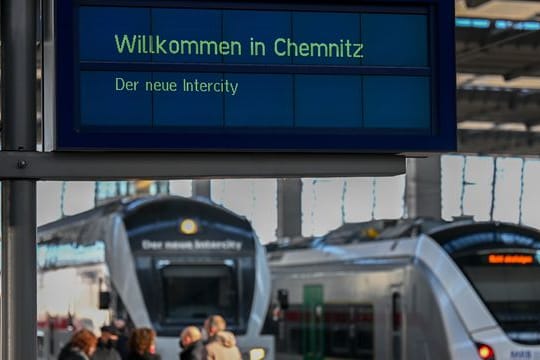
<point>498,76</point>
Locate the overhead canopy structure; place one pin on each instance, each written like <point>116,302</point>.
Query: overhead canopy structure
<point>498,80</point>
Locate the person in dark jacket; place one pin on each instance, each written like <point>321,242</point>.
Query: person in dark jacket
<point>192,344</point>
<point>142,345</point>
<point>106,345</point>
<point>81,346</point>
<point>122,344</point>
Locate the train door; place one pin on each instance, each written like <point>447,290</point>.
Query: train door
<point>313,322</point>
<point>397,323</point>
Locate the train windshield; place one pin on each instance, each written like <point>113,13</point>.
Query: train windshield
<point>512,294</point>
<point>502,262</point>
<point>192,293</point>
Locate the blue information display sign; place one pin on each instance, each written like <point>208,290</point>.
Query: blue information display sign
<point>260,76</point>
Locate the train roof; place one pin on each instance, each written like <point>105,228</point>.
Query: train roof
<point>359,232</point>
<point>378,230</point>
<point>69,228</point>
<point>395,241</point>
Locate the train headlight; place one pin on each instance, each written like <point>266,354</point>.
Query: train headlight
<point>257,354</point>
<point>189,227</point>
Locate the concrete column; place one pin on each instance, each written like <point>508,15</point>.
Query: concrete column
<point>201,188</point>
<point>423,187</point>
<point>289,206</point>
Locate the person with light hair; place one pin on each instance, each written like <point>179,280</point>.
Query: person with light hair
<point>223,347</point>
<point>192,344</point>
<point>221,344</point>
<point>214,324</point>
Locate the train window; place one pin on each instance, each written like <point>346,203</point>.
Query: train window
<point>295,344</point>
<point>364,343</point>
<point>362,321</point>
<point>291,331</point>
<point>214,287</point>
<point>512,294</point>
<point>397,320</point>
<point>54,256</point>
<point>348,331</point>
<point>502,262</point>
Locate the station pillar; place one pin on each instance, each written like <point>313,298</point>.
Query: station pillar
<point>201,188</point>
<point>289,208</point>
<point>423,187</point>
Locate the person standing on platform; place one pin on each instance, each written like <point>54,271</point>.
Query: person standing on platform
<point>213,325</point>
<point>106,345</point>
<point>142,345</point>
<point>81,346</point>
<point>123,339</point>
<point>223,347</point>
<point>192,344</point>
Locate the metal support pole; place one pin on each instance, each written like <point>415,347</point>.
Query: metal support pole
<point>18,30</point>
<point>19,298</point>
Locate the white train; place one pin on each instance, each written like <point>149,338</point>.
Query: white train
<point>163,262</point>
<point>409,290</point>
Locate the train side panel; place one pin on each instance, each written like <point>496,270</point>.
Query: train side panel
<point>354,318</point>
<point>387,309</point>
<point>425,334</point>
